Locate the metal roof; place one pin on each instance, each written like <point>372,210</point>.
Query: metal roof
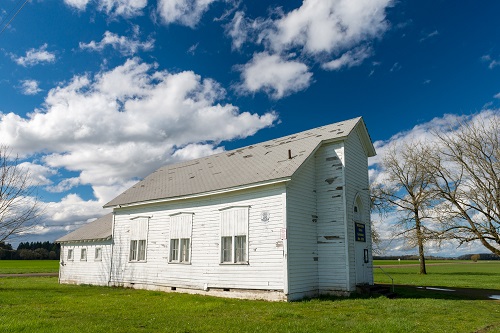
<point>272,160</point>
<point>99,229</point>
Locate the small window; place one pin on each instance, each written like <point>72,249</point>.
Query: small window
<point>83,255</point>
<point>133,250</point>
<point>141,251</point>
<point>179,250</point>
<point>98,254</point>
<point>70,254</point>
<point>240,244</point>
<point>227,249</point>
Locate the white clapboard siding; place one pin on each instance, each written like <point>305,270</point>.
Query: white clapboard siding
<point>331,238</point>
<point>265,256</point>
<point>89,271</point>
<point>357,184</point>
<point>301,233</point>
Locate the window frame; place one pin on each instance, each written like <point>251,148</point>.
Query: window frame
<point>181,231</point>
<point>83,254</point>
<point>138,244</point>
<point>70,255</point>
<point>98,254</point>
<point>230,247</point>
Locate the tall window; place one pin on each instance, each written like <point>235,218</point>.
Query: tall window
<point>70,254</point>
<point>98,254</point>
<point>83,255</point>
<point>181,226</point>
<point>234,235</point>
<point>138,238</point>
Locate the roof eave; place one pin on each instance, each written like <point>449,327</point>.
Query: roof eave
<point>203,194</point>
<point>83,240</point>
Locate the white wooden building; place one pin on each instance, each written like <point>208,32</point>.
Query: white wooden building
<point>280,220</point>
<point>86,253</point>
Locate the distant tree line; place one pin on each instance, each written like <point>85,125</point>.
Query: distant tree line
<point>30,251</point>
<point>482,256</point>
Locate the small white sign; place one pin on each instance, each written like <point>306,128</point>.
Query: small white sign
<point>283,233</point>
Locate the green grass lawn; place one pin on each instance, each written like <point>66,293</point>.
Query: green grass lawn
<point>28,266</point>
<point>40,304</point>
<point>458,274</point>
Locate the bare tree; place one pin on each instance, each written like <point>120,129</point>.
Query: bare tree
<point>19,205</point>
<point>466,174</point>
<point>406,191</point>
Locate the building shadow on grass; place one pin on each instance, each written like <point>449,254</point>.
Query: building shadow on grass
<point>451,293</point>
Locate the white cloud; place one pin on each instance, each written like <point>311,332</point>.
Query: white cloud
<point>184,12</point>
<point>349,59</point>
<point>492,63</point>
<point>39,173</point>
<point>126,46</point>
<point>121,124</point>
<point>313,32</point>
<point>64,185</point>
<point>497,96</point>
<point>329,25</point>
<point>78,4</point>
<point>35,57</point>
<point>238,30</point>
<point>273,75</point>
<point>30,87</point>
<point>124,8</point>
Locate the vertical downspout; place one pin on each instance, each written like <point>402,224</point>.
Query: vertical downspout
<point>112,248</point>
<point>61,260</point>
<point>346,229</point>
<point>285,244</point>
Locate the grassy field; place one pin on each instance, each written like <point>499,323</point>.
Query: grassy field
<point>40,304</point>
<point>28,266</point>
<point>458,274</point>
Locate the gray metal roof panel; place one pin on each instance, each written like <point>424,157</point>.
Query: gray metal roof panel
<point>257,163</point>
<point>98,229</point>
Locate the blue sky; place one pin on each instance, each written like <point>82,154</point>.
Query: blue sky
<point>95,94</point>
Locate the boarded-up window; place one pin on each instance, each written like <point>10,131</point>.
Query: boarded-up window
<point>181,226</point>
<point>234,235</point>
<point>138,238</point>
<point>70,254</point>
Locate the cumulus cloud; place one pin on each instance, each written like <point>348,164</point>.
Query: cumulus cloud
<point>329,25</point>
<point>121,124</point>
<point>35,56</point>
<point>127,46</point>
<point>349,59</point>
<point>29,87</point>
<point>333,33</point>
<point>40,174</point>
<point>276,76</point>
<point>183,12</point>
